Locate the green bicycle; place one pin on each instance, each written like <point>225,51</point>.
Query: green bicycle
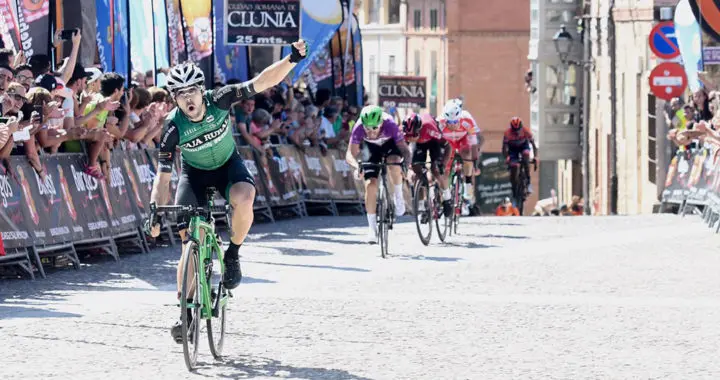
<point>201,285</point>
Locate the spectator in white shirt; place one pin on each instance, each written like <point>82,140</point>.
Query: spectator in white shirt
<point>327,132</point>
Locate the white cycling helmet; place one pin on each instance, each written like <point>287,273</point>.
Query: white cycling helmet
<point>452,110</point>
<point>184,75</point>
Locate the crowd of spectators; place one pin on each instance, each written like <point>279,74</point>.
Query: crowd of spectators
<point>287,115</point>
<point>693,124</point>
<point>76,109</point>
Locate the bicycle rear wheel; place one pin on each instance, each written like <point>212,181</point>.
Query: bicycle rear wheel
<point>441,222</point>
<point>426,215</point>
<point>520,190</point>
<point>191,329</point>
<point>219,298</point>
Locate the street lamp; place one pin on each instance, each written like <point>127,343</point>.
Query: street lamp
<point>563,44</point>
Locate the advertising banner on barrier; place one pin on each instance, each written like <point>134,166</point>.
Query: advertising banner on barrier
<point>317,175</point>
<point>295,165</point>
<point>262,161</point>
<point>141,174</point>
<point>676,180</point>
<point>176,36</point>
<point>33,202</point>
<point>123,214</point>
<point>261,193</point>
<point>402,91</point>
<point>12,211</point>
<point>68,205</point>
<point>33,22</point>
<point>262,22</point>
<point>283,180</point>
<point>88,199</point>
<point>344,178</point>
<point>53,202</point>
<point>493,184</point>
<point>697,181</point>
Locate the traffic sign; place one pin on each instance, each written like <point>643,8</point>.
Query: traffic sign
<point>668,80</point>
<point>663,42</point>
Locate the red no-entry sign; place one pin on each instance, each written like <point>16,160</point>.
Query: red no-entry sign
<point>668,80</point>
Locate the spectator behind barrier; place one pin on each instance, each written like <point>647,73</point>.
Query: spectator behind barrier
<point>506,208</point>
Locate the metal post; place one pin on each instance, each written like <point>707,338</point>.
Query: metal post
<point>584,118</point>
<point>612,39</point>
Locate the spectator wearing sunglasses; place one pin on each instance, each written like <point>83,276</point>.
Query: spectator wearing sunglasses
<point>24,76</point>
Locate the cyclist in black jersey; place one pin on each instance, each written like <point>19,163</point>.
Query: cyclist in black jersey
<point>199,127</point>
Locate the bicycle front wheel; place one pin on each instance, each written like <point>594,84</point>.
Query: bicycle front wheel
<point>219,299</point>
<point>191,299</point>
<point>423,218</point>
<point>457,202</point>
<point>441,221</point>
<point>382,214</point>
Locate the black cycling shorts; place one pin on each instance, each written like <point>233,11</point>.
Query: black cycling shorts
<point>373,153</point>
<point>193,181</point>
<point>437,153</point>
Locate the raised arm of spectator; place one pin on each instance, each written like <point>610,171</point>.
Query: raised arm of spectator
<point>67,69</point>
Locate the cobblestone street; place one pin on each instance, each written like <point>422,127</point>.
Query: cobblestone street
<point>508,298</point>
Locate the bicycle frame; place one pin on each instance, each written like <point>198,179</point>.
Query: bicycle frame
<point>202,233</point>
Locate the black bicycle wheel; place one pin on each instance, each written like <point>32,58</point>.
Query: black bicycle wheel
<point>521,191</point>
<point>219,295</point>
<point>457,202</point>
<point>441,222</point>
<point>422,191</point>
<point>190,329</point>
<point>386,218</point>
<point>380,212</point>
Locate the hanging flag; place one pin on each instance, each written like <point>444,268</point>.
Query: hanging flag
<point>159,11</point>
<point>176,37</point>
<point>120,39</point>
<point>9,31</point>
<point>142,43</point>
<point>199,35</point>
<point>358,58</point>
<point>319,20</point>
<point>198,32</point>
<point>689,38</point>
<point>231,62</point>
<point>33,18</point>
<point>104,36</point>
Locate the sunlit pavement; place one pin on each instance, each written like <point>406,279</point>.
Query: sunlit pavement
<point>508,298</point>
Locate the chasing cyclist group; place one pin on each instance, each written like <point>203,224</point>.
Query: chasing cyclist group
<point>200,129</point>
<point>377,137</point>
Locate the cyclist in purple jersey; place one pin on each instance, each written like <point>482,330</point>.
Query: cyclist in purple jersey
<point>388,130</point>
<point>380,137</point>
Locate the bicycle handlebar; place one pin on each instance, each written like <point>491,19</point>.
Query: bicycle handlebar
<point>382,164</point>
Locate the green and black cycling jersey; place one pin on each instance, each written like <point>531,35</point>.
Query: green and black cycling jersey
<point>206,144</point>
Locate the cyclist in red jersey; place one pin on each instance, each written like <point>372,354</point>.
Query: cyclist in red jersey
<point>423,131</point>
<point>518,140</point>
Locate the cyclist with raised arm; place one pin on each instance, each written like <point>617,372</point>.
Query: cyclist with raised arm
<point>461,132</point>
<point>422,131</point>
<point>380,138</point>
<point>518,140</point>
<point>200,127</point>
